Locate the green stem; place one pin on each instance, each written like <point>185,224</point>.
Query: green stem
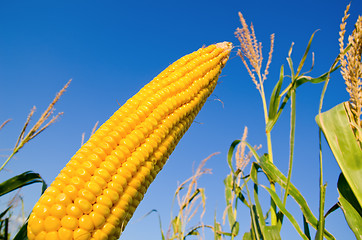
<point>292,138</point>
<point>253,217</point>
<point>273,214</point>
<point>19,144</point>
<point>322,187</point>
<point>8,159</point>
<point>268,135</point>
<point>322,193</point>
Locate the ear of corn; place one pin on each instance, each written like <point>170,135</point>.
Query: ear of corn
<point>97,192</point>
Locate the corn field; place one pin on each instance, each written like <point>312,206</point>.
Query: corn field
<point>103,187</point>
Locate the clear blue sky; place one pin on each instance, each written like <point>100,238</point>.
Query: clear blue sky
<point>112,48</point>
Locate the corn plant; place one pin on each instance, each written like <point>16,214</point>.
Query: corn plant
<point>189,204</point>
<point>28,177</point>
<point>342,129</point>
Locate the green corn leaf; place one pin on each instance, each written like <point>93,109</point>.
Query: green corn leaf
<point>346,150</point>
<point>320,79</point>
<point>290,61</point>
<point>242,198</point>
<point>193,232</point>
<point>275,175</point>
<point>247,236</point>
<point>4,212</point>
<point>354,220</point>
<point>306,228</point>
<point>228,197</point>
<point>252,150</point>
<point>217,229</point>
<point>301,64</point>
<point>350,206</point>
<point>235,229</point>
<point>272,233</point>
<point>275,97</point>
<point>282,208</point>
<point>332,209</point>
<point>176,225</point>
<point>191,198</point>
<point>346,192</point>
<point>291,87</point>
<point>21,180</point>
<point>268,232</point>
<point>230,154</point>
<point>22,233</point>
<point>259,211</point>
<point>255,225</point>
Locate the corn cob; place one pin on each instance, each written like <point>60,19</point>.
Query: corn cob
<point>97,192</point>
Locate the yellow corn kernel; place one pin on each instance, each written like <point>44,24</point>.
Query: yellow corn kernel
<point>100,235</point>
<point>83,204</point>
<point>93,187</point>
<point>51,223</point>
<point>71,191</point>
<point>41,236</point>
<point>65,234</point>
<point>111,194</point>
<point>97,219</point>
<point>81,234</point>
<point>86,223</point>
<point>101,209</point>
<point>52,236</point>
<point>69,222</point>
<point>41,210</point>
<point>58,210</point>
<point>98,191</point>
<point>63,199</point>
<point>74,211</point>
<point>88,195</point>
<point>36,225</point>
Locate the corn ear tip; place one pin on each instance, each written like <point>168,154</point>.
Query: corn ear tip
<point>227,46</point>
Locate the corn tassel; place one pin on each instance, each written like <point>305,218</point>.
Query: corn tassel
<point>97,192</point>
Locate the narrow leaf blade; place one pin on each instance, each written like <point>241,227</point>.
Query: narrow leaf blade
<point>19,181</point>
<point>274,174</point>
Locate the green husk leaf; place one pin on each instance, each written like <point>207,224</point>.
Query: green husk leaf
<point>346,150</point>
<point>20,181</point>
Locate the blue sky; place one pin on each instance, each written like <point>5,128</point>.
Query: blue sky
<point>112,48</point>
